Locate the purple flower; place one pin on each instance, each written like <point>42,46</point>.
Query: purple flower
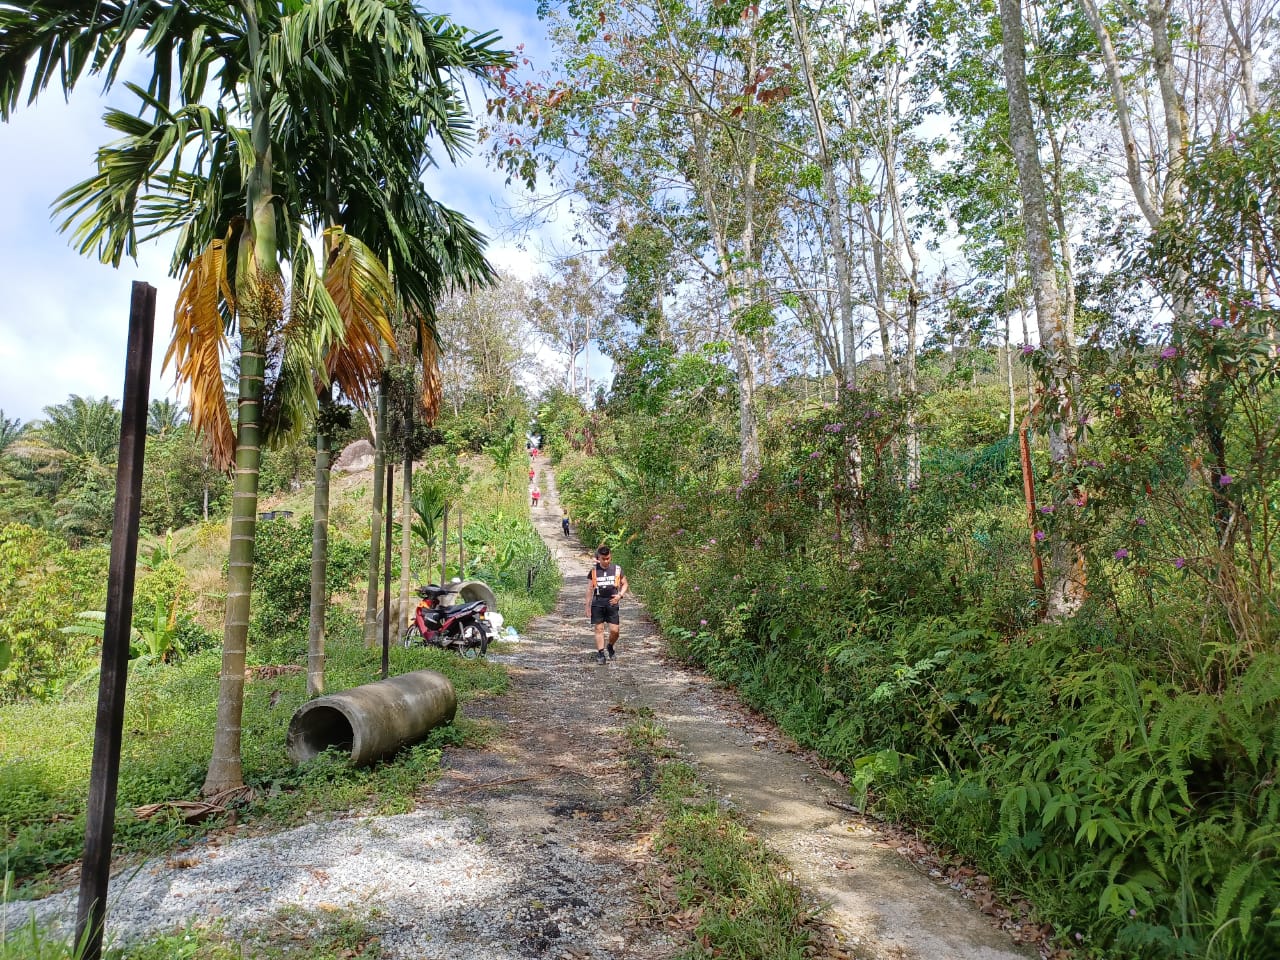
<point>1122,554</point>
<point>1218,323</point>
<point>1168,353</point>
<point>702,623</point>
<point>1138,521</point>
<point>1048,509</point>
<point>1180,563</point>
<point>833,427</point>
<point>1028,349</point>
<point>712,540</point>
<point>1040,535</point>
<point>1224,479</point>
<point>815,455</point>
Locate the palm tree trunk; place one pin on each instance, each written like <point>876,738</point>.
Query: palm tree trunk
<point>375,534</point>
<point>260,292</point>
<point>406,544</point>
<point>319,568</point>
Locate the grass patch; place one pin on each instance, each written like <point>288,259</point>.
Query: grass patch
<point>718,879</point>
<point>323,934</point>
<point>168,737</point>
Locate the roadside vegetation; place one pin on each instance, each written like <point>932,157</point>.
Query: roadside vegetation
<point>1112,765</point>
<point>51,603</point>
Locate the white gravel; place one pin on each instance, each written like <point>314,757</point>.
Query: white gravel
<point>426,884</point>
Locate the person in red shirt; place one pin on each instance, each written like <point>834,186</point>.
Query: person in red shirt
<point>536,494</point>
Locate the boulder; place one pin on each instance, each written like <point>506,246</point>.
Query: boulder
<point>355,457</point>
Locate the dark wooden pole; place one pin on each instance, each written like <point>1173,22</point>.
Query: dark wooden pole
<point>386,575</point>
<point>444,545</point>
<point>100,819</point>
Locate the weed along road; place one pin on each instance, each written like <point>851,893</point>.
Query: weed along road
<point>614,812</point>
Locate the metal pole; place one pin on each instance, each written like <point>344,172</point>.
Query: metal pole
<point>104,775</point>
<point>386,574</point>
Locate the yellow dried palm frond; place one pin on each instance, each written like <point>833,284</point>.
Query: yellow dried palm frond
<point>199,338</point>
<point>361,288</point>
<point>432,385</point>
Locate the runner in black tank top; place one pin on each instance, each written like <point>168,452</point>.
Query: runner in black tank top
<point>606,586</point>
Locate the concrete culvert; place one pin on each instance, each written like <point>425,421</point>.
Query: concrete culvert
<point>372,721</point>
<point>469,590</point>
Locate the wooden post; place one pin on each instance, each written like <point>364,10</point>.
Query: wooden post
<point>386,574</point>
<point>1029,492</point>
<point>461,550</point>
<point>104,776</point>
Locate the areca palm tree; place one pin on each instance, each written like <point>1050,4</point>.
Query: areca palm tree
<point>265,62</point>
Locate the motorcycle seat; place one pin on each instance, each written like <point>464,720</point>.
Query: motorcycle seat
<point>461,608</point>
<point>432,592</point>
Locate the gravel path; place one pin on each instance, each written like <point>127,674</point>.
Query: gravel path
<point>534,846</point>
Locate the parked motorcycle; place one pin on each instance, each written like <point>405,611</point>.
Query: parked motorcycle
<point>462,627</point>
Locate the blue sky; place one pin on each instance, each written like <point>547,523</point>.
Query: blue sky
<point>64,317</point>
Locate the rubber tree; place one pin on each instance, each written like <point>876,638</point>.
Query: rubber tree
<point>1064,584</point>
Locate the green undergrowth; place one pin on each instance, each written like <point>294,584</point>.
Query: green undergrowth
<point>168,738</point>
<point>746,907</point>
<point>1115,769</point>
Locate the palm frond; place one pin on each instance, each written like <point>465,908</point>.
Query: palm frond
<point>432,384</point>
<point>200,317</point>
<point>361,288</point>
<point>312,326</point>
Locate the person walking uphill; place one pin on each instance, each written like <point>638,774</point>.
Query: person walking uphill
<point>607,585</point>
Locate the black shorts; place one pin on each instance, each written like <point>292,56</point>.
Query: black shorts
<point>605,613</point>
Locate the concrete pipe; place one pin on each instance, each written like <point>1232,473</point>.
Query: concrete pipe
<point>372,721</point>
<point>469,590</point>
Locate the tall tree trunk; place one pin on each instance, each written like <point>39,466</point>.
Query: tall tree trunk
<point>1242,42</point>
<point>833,206</point>
<point>260,294</point>
<point>734,280</point>
<point>371,638</point>
<point>319,567</point>
<point>1064,583</point>
<point>1008,356</point>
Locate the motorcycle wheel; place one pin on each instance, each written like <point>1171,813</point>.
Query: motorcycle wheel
<point>412,637</point>
<point>475,641</point>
